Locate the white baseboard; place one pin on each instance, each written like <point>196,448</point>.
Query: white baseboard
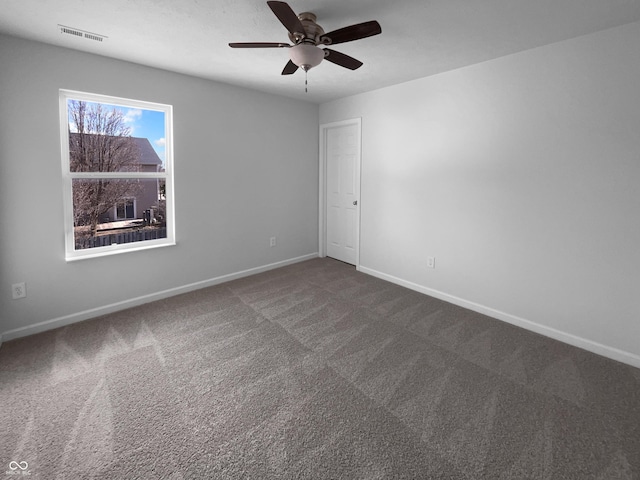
<point>134,302</point>
<point>589,345</point>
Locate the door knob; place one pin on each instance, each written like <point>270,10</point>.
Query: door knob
<point>355,202</point>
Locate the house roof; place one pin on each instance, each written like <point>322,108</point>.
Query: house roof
<point>148,155</point>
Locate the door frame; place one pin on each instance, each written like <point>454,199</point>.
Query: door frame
<point>322,187</point>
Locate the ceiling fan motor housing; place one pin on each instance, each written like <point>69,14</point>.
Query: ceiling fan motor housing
<point>312,31</point>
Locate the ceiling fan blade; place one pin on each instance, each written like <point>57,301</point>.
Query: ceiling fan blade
<point>341,59</point>
<point>289,68</point>
<point>258,45</point>
<point>353,32</point>
<point>287,17</point>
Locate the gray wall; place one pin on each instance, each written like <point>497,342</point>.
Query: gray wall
<point>245,170</point>
<point>522,177</point>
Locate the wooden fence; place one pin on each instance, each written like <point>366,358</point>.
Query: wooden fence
<point>121,237</point>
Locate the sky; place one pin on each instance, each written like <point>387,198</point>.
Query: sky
<point>143,123</point>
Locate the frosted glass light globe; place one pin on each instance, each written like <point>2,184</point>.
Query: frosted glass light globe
<point>306,56</point>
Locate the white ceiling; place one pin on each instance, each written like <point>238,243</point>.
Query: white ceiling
<point>419,37</point>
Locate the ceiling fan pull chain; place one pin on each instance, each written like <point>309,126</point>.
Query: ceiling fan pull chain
<point>305,81</point>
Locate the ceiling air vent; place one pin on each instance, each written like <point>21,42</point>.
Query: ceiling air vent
<point>81,33</point>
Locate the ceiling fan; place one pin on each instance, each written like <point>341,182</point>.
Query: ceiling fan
<point>307,35</point>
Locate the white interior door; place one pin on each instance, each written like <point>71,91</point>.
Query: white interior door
<point>342,157</point>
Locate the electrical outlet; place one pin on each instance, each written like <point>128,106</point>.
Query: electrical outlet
<point>272,242</point>
<point>431,262</point>
<point>19,290</point>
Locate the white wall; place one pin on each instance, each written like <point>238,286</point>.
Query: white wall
<point>245,170</point>
<point>522,177</point>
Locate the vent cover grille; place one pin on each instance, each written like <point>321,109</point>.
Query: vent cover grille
<point>81,33</point>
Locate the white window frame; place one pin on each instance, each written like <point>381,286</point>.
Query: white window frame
<point>71,253</point>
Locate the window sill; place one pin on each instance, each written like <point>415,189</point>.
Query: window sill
<point>115,249</point>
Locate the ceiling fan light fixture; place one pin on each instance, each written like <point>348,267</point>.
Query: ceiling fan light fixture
<point>306,56</point>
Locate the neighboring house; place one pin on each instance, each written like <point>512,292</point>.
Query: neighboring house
<point>147,198</point>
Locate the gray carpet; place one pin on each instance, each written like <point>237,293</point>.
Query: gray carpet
<point>312,371</point>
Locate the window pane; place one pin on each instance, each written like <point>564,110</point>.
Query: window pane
<point>108,211</point>
<point>110,138</point>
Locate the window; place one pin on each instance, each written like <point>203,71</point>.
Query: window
<point>117,167</point>
<point>125,209</point>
